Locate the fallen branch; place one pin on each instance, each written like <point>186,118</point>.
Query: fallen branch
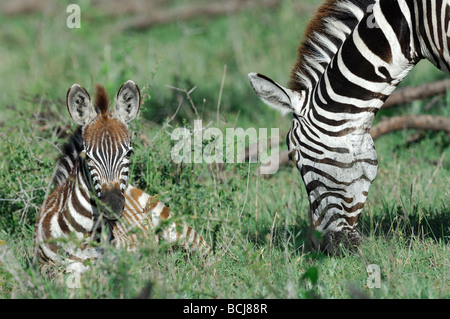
<point>402,96</point>
<point>61,131</point>
<point>409,94</point>
<point>423,122</point>
<point>272,168</point>
<point>253,150</point>
<point>209,10</point>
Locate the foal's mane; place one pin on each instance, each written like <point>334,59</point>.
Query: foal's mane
<point>69,155</point>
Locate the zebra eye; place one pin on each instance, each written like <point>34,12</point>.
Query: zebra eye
<point>129,153</point>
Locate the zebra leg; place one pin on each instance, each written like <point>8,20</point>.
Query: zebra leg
<point>176,233</point>
<point>145,216</point>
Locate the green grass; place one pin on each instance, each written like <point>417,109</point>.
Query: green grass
<point>258,230</point>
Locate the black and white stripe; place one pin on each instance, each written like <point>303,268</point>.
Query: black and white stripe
<point>338,95</point>
<point>108,163</point>
<point>69,210</point>
<point>90,179</point>
<point>92,193</point>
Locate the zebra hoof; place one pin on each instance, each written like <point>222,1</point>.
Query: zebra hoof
<point>335,243</point>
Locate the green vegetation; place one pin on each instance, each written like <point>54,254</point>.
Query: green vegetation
<point>258,225</point>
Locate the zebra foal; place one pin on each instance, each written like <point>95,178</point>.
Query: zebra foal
<point>91,191</point>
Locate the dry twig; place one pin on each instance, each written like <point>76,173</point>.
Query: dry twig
<point>424,122</point>
<point>420,92</point>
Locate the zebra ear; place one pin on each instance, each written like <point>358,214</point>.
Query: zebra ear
<point>274,95</point>
<point>128,101</point>
<point>79,104</point>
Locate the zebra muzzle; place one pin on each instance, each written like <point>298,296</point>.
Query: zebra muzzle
<point>112,203</point>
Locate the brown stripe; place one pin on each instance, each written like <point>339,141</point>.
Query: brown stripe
<point>151,203</point>
<point>79,208</point>
<point>46,223</point>
<point>136,193</point>
<point>165,213</point>
<point>318,200</point>
<point>324,211</point>
<point>194,240</point>
<point>127,212</point>
<point>188,232</point>
<point>62,224</point>
<point>134,209</point>
<point>353,208</point>
<point>72,222</point>
<point>41,254</point>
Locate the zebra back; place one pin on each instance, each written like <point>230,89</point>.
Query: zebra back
<point>69,156</point>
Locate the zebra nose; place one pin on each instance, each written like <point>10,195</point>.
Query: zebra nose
<point>114,202</point>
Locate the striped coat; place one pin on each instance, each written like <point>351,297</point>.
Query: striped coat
<point>146,212</point>
<point>92,200</point>
<point>354,55</point>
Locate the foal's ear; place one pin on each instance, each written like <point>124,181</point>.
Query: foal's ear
<point>128,101</point>
<point>79,104</point>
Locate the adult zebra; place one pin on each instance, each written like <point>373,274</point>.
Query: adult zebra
<point>92,193</point>
<point>354,55</point>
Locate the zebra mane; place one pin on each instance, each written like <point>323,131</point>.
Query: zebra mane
<point>101,100</point>
<point>70,154</point>
<point>324,35</point>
